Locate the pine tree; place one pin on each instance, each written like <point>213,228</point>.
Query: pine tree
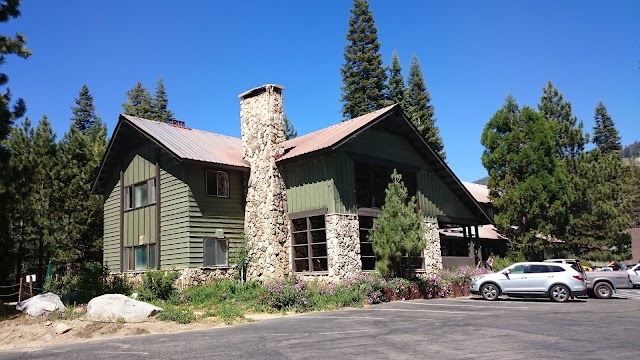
<point>419,108</point>
<point>601,208</point>
<point>139,102</point>
<point>289,131</point>
<point>631,151</point>
<point>43,156</point>
<point>527,182</point>
<point>397,90</point>
<point>84,113</point>
<point>397,235</point>
<point>605,134</point>
<point>571,138</point>
<point>21,187</point>
<point>160,104</point>
<point>632,194</point>
<point>363,75</point>
<point>10,46</point>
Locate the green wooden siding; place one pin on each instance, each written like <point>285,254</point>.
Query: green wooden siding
<point>174,215</point>
<point>434,196</point>
<point>111,245</point>
<point>140,224</point>
<point>310,184</point>
<point>207,214</point>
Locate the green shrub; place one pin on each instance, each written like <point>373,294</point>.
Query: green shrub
<point>158,284</point>
<point>500,263</point>
<point>89,281</point>
<point>228,312</point>
<point>178,314</point>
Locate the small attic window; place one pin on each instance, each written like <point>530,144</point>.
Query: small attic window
<point>217,183</point>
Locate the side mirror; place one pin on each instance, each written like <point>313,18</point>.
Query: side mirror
<point>506,272</point>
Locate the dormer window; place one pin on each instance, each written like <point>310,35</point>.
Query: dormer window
<point>217,183</point>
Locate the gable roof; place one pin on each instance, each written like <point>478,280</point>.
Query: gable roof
<point>204,146</point>
<point>480,192</point>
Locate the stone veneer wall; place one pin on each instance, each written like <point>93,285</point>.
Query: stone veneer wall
<point>266,221</point>
<point>432,254</point>
<point>188,276</point>
<point>343,245</point>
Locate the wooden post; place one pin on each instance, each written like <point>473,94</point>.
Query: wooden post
<point>20,291</point>
<point>30,286</point>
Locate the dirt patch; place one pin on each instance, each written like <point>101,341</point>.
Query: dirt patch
<point>23,332</point>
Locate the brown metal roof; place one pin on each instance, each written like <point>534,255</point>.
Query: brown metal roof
<point>331,136</point>
<point>479,192</point>
<point>192,144</point>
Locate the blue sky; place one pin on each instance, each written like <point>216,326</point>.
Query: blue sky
<point>473,53</point>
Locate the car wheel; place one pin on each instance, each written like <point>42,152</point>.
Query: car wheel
<point>559,293</point>
<point>490,292</point>
<point>603,291</point>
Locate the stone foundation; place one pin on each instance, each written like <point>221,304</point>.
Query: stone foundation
<point>266,221</point>
<point>432,254</point>
<point>188,276</point>
<point>343,245</point>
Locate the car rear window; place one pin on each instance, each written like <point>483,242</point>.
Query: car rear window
<point>553,268</point>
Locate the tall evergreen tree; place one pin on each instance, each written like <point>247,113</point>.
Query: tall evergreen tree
<point>527,182</point>
<point>363,75</point>
<point>139,102</point>
<point>84,113</point>
<point>571,138</point>
<point>20,171</point>
<point>420,110</point>
<point>10,46</point>
<point>161,104</point>
<point>600,208</point>
<point>289,131</point>
<point>605,134</point>
<point>397,90</point>
<point>397,234</point>
<point>633,195</point>
<point>43,157</point>
<point>632,150</point>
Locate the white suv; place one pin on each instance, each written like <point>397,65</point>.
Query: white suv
<point>558,281</point>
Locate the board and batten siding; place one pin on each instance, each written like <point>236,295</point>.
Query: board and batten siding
<point>434,196</point>
<point>140,225</point>
<point>174,215</point>
<point>310,184</point>
<point>208,214</point>
<point>111,235</point>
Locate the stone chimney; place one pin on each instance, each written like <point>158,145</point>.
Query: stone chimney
<point>266,221</point>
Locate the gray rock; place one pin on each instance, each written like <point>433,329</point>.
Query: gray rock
<point>41,304</point>
<point>62,328</point>
<point>48,323</point>
<point>112,307</point>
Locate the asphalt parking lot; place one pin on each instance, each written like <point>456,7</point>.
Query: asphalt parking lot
<point>442,329</point>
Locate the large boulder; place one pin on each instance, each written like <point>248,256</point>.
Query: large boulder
<point>112,307</point>
<point>41,305</point>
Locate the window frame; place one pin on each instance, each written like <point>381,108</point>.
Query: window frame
<point>217,240</point>
<point>309,230</point>
<point>217,174</point>
<point>367,240</point>
<point>129,258</point>
<point>129,197</point>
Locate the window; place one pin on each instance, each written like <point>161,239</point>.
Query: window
<point>367,255</point>
<point>217,183</point>
<point>554,268</point>
<point>309,241</point>
<point>137,258</point>
<point>536,269</point>
<point>215,252</point>
<point>372,181</point>
<point>140,195</point>
<point>519,269</point>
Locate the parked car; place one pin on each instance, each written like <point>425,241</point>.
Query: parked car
<point>575,263</point>
<point>600,283</point>
<point>634,275</point>
<point>558,281</point>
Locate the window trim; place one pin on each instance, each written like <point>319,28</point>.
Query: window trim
<point>216,239</point>
<point>217,173</point>
<point>367,241</point>
<point>309,245</point>
<point>129,194</point>
<point>130,259</point>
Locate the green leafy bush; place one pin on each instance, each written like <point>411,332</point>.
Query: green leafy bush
<point>228,312</point>
<point>158,284</point>
<point>89,281</point>
<point>178,314</point>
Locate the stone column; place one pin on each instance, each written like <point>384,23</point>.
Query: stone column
<point>266,222</point>
<point>432,254</point>
<point>343,245</point>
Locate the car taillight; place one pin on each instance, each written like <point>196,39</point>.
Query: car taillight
<point>578,277</point>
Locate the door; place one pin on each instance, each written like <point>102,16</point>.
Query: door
<point>515,280</point>
<point>539,278</point>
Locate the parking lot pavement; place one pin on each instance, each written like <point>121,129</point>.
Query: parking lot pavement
<point>442,328</point>
<point>627,294</point>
